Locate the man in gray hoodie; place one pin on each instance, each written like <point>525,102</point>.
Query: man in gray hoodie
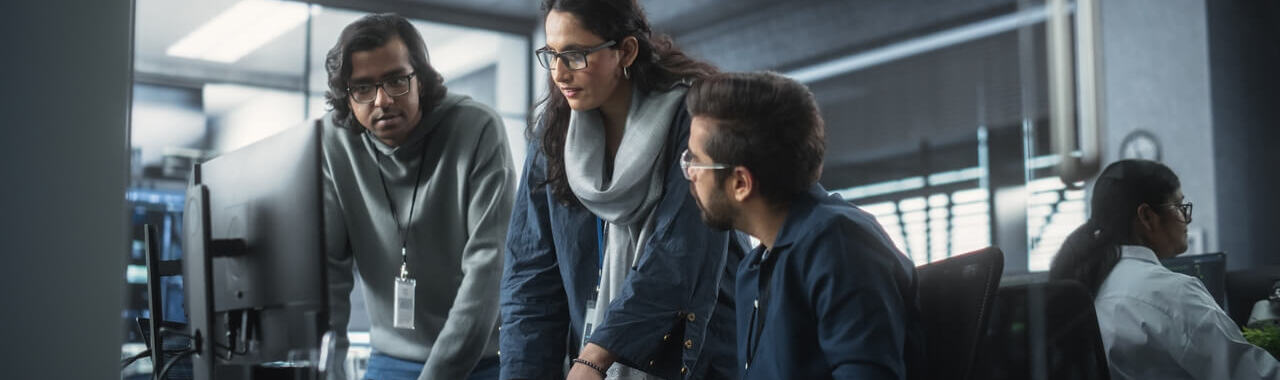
<point>418,186</point>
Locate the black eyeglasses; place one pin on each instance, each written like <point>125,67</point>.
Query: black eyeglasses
<point>573,59</point>
<point>365,93</point>
<point>1183,208</point>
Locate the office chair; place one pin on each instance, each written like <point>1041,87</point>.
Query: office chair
<point>956,297</point>
<point>1043,331</point>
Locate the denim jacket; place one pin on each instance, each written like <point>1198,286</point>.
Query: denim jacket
<point>674,317</point>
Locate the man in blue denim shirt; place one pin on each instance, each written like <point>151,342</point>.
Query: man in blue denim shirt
<point>825,295</point>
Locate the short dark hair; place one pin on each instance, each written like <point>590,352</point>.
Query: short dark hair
<point>368,33</point>
<point>766,122</point>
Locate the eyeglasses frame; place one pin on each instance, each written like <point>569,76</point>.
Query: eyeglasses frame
<point>381,85</point>
<point>559,57</point>
<point>687,164</point>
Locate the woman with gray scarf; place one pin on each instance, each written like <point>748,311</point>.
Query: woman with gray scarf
<point>609,271</point>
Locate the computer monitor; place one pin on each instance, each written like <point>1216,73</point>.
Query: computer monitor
<point>254,271</point>
<point>1210,268</point>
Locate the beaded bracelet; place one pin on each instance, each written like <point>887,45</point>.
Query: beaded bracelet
<point>594,366</point>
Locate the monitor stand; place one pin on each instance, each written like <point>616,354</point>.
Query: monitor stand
<point>157,269</point>
<point>197,274</point>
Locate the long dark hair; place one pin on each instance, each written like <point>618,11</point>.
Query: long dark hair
<point>368,33</point>
<point>1093,249</point>
<point>658,66</point>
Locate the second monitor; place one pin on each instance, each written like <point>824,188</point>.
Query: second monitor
<point>254,270</point>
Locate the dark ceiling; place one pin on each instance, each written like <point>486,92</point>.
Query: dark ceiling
<point>937,98</point>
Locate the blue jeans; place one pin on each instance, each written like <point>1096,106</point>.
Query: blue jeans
<point>383,367</point>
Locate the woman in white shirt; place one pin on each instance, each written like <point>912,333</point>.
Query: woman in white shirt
<point>1155,324</point>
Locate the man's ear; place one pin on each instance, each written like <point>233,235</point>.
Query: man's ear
<point>742,184</point>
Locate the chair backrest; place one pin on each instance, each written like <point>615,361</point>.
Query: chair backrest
<point>956,297</point>
<point>1043,331</point>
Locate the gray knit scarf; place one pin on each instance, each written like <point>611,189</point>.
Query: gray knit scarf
<point>636,184</point>
<point>626,199</point>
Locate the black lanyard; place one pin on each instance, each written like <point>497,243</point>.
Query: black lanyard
<point>600,242</point>
<point>413,202</point>
<point>762,303</point>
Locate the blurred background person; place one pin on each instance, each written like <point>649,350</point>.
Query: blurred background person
<point>1155,324</point>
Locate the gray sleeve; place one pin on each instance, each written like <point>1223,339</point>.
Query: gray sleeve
<point>340,276</point>
<point>474,316</point>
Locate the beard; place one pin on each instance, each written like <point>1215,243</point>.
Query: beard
<point>717,212</point>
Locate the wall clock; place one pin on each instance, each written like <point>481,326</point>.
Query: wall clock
<point>1140,144</point>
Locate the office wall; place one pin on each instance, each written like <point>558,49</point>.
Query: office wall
<point>248,114</point>
<point>515,66</point>
<point>1156,78</point>
<point>64,162</point>
<point>165,116</point>
<point>1244,54</point>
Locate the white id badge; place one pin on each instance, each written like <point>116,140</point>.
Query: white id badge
<point>590,322</point>
<point>403,318</point>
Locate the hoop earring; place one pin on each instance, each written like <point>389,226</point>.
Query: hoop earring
<point>625,73</point>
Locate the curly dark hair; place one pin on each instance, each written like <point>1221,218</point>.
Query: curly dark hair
<point>658,66</point>
<point>766,122</point>
<point>368,33</point>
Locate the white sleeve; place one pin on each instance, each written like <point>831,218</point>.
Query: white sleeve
<point>1215,348</point>
<point>1139,337</point>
